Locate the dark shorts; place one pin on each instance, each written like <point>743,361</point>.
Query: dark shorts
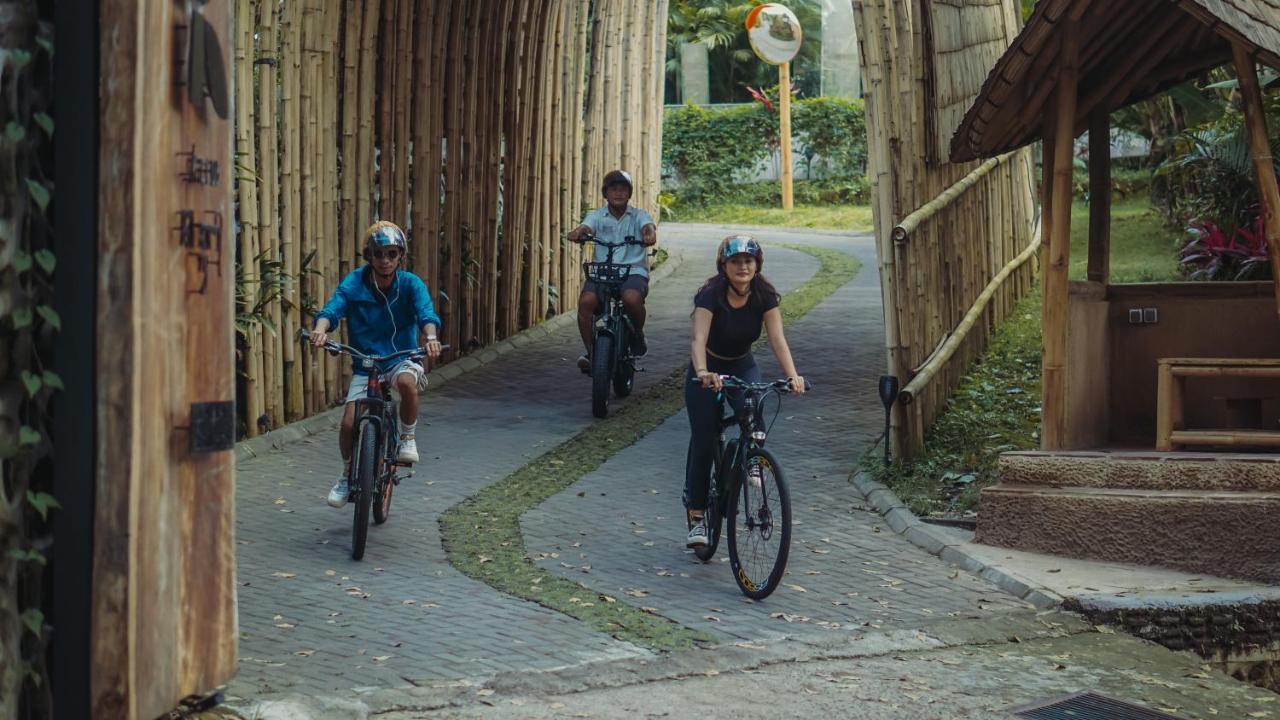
<point>639,283</point>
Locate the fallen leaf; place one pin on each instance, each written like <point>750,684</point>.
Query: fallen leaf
<point>285,575</point>
<point>797,588</point>
<point>305,653</point>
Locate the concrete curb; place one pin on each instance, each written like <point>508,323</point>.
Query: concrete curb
<point>935,542</point>
<point>329,419</point>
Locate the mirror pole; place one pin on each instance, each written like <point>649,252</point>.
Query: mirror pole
<point>784,126</point>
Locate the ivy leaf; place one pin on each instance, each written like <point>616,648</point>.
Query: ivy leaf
<point>28,436</point>
<point>45,43</point>
<point>34,620</point>
<point>50,316</point>
<point>53,380</point>
<point>15,132</point>
<point>39,193</point>
<point>42,501</point>
<point>32,382</point>
<point>45,122</point>
<point>46,260</point>
<point>21,262</point>
<point>20,57</point>
<point>21,317</point>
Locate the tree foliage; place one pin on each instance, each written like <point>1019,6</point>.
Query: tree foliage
<point>733,66</point>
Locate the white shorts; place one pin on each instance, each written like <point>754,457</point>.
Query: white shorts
<point>360,383</point>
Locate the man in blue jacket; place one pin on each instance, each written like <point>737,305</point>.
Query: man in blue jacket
<point>385,307</point>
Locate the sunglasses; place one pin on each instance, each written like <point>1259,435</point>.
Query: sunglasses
<point>385,254</point>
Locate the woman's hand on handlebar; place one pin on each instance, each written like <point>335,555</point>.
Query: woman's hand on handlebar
<point>710,380</point>
<point>798,384</point>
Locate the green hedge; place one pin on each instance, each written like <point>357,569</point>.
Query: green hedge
<point>710,151</point>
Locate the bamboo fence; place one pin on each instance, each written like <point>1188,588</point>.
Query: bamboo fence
<point>922,61</point>
<point>482,127</point>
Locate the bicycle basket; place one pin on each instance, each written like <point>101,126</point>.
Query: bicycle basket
<point>607,273</point>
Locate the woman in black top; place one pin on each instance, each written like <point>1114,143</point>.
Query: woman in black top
<point>729,312</point>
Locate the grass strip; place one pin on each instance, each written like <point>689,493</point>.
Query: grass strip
<point>481,535</point>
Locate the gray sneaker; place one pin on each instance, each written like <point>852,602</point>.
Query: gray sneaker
<point>338,495</point>
<point>697,533</point>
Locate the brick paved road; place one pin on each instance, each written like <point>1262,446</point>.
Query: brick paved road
<point>847,569</point>
<point>313,621</point>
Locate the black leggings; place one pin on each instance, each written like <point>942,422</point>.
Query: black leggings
<point>704,424</point>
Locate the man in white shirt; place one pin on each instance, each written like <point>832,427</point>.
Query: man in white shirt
<point>615,222</point>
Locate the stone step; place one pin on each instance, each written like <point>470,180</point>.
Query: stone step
<point>1137,470</point>
<point>1217,532</point>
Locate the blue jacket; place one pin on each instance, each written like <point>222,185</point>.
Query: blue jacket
<point>375,327</point>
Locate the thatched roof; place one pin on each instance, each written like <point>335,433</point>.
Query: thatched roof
<point>1129,50</point>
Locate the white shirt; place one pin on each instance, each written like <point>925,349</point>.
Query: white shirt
<point>611,229</point>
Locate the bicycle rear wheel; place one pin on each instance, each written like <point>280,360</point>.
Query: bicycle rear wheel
<point>759,525</point>
<point>366,468</point>
<point>601,367</point>
<point>712,513</point>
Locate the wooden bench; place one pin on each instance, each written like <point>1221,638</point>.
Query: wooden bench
<point>1172,372</point>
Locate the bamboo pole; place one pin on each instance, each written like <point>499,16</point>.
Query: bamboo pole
<point>1054,374</point>
<point>1099,268</point>
<point>902,231</point>
<point>948,347</point>
<point>1260,153</point>
<point>248,207</point>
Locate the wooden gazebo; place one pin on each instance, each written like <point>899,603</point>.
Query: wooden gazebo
<point>1116,357</point>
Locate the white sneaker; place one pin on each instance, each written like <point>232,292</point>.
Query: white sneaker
<point>697,533</point>
<point>338,495</point>
<point>754,478</point>
<point>408,450</point>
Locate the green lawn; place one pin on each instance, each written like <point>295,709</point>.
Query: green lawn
<point>854,218</point>
<point>1143,248</point>
<point>997,405</point>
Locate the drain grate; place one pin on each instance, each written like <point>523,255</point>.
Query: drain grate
<point>1088,706</point>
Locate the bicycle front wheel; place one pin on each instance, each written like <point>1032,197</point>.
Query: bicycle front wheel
<point>759,525</point>
<point>385,480</point>
<point>366,468</point>
<point>601,370</point>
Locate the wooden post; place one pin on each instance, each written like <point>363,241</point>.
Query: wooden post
<point>1260,152</point>
<point>784,125</point>
<point>1099,196</point>
<point>1054,377</point>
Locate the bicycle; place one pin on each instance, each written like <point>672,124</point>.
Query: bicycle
<point>747,477</point>
<point>611,358</point>
<point>375,474</point>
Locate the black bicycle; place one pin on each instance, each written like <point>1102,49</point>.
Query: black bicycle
<point>749,489</point>
<point>612,361</point>
<point>375,472</point>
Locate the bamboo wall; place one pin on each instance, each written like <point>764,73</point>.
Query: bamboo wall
<point>919,63</point>
<point>482,127</point>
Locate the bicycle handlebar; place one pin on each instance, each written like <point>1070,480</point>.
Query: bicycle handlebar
<point>735,383</point>
<point>336,347</point>
<point>606,243</point>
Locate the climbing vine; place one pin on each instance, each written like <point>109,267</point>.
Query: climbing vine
<point>28,325</point>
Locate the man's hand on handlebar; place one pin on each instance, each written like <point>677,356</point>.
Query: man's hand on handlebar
<point>431,344</point>
<point>318,336</point>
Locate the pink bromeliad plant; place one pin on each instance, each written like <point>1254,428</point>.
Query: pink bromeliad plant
<point>1211,253</point>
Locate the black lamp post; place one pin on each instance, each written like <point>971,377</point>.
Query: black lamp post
<point>888,394</point>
